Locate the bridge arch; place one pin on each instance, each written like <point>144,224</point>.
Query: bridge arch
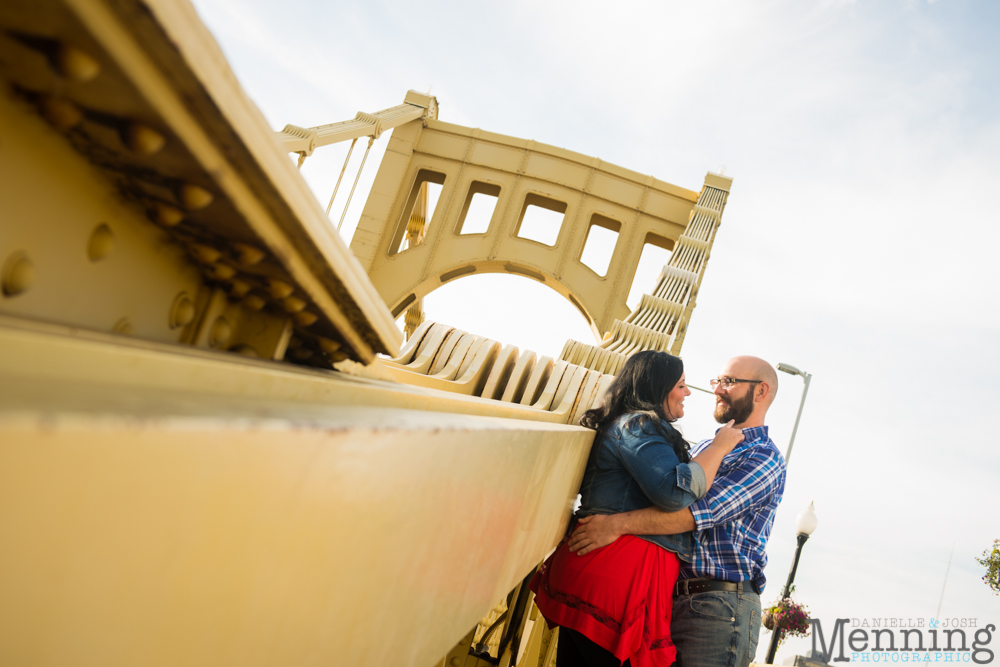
<point>516,310</point>
<point>520,174</point>
<point>465,269</point>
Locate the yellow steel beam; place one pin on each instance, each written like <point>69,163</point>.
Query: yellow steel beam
<point>334,539</point>
<point>61,355</point>
<point>305,140</point>
<point>162,506</point>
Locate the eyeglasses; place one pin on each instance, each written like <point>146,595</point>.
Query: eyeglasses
<point>728,382</point>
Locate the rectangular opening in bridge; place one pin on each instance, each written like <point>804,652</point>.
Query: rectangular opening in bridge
<point>480,204</point>
<point>656,251</point>
<point>418,211</point>
<point>540,220</point>
<point>602,236</point>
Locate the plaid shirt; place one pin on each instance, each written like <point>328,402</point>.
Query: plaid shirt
<point>734,519</point>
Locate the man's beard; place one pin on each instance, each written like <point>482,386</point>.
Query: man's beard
<point>739,410</point>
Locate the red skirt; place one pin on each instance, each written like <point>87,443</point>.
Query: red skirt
<point>620,597</point>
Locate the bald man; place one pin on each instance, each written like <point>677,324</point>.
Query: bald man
<point>716,612</point>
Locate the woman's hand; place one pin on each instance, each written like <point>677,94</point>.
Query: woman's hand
<point>711,457</point>
<point>728,437</point>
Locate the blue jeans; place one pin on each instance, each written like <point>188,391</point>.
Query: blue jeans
<point>716,628</point>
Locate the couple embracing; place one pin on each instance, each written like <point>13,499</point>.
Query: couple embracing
<point>666,560</point>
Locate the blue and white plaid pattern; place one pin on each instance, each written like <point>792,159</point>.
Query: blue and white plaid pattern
<point>733,521</point>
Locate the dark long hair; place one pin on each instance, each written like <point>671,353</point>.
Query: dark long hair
<point>641,387</point>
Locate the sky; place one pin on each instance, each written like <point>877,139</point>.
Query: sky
<point>858,243</point>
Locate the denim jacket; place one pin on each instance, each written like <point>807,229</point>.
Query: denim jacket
<point>632,467</point>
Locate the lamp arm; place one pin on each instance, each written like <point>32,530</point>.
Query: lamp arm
<point>802,402</point>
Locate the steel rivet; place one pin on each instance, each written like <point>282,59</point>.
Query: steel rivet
<point>18,274</point>
<point>254,302</point>
<point>327,345</point>
<point>205,254</point>
<point>305,318</point>
<point>182,311</point>
<point>75,64</point>
<point>220,333</point>
<point>239,288</point>
<point>61,114</point>
<point>247,255</point>
<point>193,197</point>
<point>222,271</point>
<point>279,288</point>
<point>293,304</point>
<point>124,327</point>
<point>167,215</point>
<point>102,242</point>
<point>143,139</point>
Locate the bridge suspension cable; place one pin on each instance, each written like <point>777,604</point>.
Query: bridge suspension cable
<point>356,179</point>
<point>341,177</point>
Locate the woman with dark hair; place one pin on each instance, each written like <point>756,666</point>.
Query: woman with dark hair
<point>613,604</point>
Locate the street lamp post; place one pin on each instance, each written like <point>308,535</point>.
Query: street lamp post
<point>806,377</point>
<point>805,524</point>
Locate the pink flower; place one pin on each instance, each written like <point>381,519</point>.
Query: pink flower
<point>787,618</point>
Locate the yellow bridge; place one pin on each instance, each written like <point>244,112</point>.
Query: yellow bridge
<point>215,447</point>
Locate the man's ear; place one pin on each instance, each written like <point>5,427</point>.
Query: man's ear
<point>765,391</point>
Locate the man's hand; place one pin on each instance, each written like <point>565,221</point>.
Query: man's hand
<point>594,532</point>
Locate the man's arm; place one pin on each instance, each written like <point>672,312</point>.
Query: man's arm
<point>757,478</point>
<point>600,530</point>
<point>748,486</point>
